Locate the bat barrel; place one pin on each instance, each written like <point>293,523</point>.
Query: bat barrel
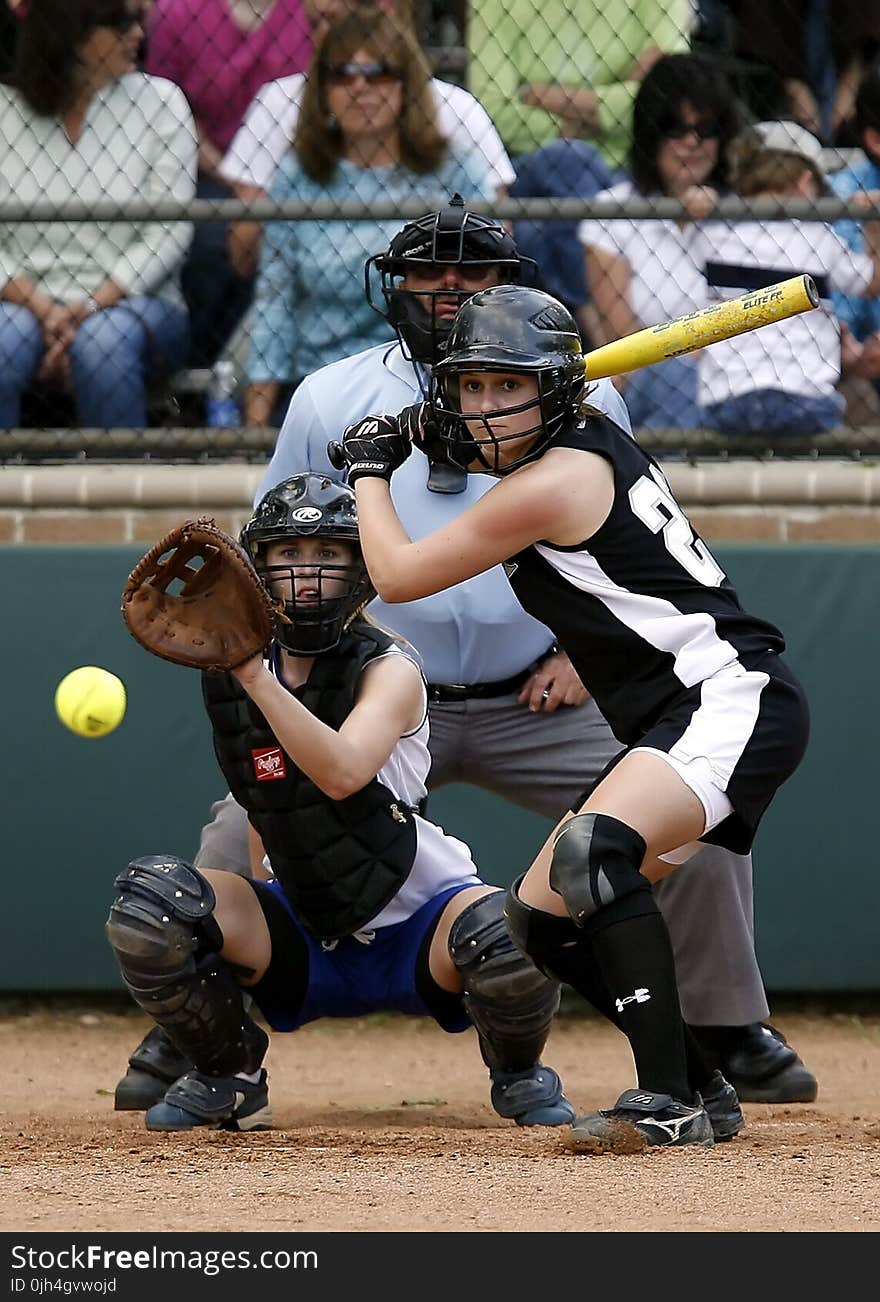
<point>705,326</point>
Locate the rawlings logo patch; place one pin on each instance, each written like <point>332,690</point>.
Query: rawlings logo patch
<point>269,763</point>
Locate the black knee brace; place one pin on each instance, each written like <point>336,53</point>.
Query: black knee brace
<point>510,1002</point>
<point>596,862</point>
<point>163,933</point>
<point>540,935</point>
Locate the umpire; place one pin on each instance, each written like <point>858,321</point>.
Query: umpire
<point>507,710</point>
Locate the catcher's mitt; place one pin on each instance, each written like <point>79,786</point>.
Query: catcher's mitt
<point>217,615</point>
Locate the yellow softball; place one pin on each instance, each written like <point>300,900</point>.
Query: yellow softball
<point>90,701</point>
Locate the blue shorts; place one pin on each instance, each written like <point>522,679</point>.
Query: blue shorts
<point>349,978</point>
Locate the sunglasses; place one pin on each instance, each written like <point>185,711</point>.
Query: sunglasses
<point>702,130</point>
<point>123,24</point>
<point>375,73</point>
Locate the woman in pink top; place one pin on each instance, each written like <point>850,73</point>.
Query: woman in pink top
<point>220,52</point>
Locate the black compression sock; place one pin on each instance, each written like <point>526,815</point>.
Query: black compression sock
<point>634,957</point>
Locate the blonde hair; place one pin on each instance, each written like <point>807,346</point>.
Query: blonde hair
<point>318,142</point>
<point>757,170</point>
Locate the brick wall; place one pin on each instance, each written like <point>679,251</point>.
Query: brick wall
<point>734,501</point>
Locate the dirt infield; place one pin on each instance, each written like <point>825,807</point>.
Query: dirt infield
<point>385,1124</point>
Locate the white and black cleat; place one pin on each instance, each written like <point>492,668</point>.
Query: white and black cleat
<point>640,1120</point>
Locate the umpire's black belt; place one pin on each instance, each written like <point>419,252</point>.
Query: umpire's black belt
<point>443,693</point>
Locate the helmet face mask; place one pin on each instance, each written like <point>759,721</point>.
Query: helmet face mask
<point>513,330</point>
<point>479,248</point>
<point>309,506</point>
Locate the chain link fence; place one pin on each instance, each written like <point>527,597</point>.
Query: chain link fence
<point>190,190</point>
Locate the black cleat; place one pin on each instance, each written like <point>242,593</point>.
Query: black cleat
<point>721,1103</point>
<point>641,1120</point>
<point>764,1068</point>
<point>154,1065</point>
<point>531,1098</point>
<point>214,1102</point>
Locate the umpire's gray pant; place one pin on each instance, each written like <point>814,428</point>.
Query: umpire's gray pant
<point>543,762</point>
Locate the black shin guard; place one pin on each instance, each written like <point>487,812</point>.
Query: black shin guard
<point>510,1002</point>
<point>165,939</point>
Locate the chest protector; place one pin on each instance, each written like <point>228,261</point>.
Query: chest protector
<point>339,861</point>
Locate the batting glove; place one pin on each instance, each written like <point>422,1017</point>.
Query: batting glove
<point>422,426</point>
<point>371,448</point>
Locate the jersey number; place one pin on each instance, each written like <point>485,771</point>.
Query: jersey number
<point>653,503</point>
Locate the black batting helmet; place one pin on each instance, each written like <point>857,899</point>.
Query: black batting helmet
<point>451,237</point>
<point>306,506</point>
<point>509,328</point>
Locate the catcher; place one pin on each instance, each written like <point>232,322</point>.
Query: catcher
<point>320,728</point>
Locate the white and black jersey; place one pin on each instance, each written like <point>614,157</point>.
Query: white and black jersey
<point>658,636</point>
<point>642,607</point>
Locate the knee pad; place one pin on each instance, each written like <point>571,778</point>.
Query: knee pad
<point>509,1000</point>
<point>162,930</point>
<point>596,862</point>
<point>161,922</point>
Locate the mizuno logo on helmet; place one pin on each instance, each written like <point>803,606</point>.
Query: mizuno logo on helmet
<point>369,427</point>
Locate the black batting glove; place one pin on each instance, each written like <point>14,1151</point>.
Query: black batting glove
<point>422,426</point>
<point>371,448</point>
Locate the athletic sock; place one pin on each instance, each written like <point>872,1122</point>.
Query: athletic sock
<point>634,957</point>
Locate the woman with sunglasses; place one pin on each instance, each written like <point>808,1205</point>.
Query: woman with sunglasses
<point>367,131</point>
<point>91,307</point>
<point>643,271</point>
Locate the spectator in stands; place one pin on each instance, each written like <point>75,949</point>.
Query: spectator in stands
<point>808,57</point>
<point>565,168</point>
<point>643,271</point>
<point>782,380</point>
<point>269,127</point>
<point>220,52</point>
<point>368,130</point>
<point>90,305</point>
<point>859,316</point>
<point>548,68</point>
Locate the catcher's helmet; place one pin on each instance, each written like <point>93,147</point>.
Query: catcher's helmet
<point>509,328</point>
<point>451,237</point>
<point>307,506</point>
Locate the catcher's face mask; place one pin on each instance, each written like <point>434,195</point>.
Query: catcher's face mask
<point>319,585</point>
<point>303,541</point>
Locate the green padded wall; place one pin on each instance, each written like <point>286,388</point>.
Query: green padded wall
<point>76,810</point>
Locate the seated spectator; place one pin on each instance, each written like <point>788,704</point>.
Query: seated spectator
<point>270,124</point>
<point>367,131</point>
<point>859,316</point>
<point>782,380</point>
<point>548,68</point>
<point>91,306</point>
<point>644,271</point>
<point>565,169</point>
<point>808,57</point>
<point>220,52</point>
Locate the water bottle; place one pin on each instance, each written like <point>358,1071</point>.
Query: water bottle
<point>221,407</point>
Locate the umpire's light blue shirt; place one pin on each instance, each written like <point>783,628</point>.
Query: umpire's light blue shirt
<point>475,632</point>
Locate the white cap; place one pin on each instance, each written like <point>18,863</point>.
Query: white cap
<point>792,138</point>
